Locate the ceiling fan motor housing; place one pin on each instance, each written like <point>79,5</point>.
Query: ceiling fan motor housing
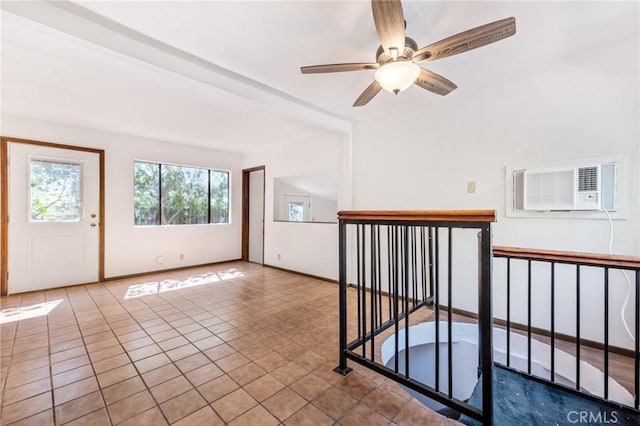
<point>410,46</point>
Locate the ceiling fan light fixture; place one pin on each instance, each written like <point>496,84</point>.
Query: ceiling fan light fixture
<point>397,76</point>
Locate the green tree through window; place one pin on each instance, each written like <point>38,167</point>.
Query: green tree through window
<point>176,195</point>
<point>54,191</point>
<point>146,197</point>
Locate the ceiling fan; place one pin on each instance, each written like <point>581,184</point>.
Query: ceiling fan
<point>397,57</point>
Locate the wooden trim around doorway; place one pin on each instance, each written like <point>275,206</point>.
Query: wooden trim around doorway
<point>245,210</point>
<point>4,203</point>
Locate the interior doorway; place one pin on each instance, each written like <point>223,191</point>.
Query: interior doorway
<point>253,185</point>
<point>52,215</point>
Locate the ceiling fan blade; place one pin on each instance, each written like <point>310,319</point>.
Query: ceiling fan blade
<point>435,82</point>
<point>467,40</point>
<point>389,20</point>
<point>368,94</point>
<point>316,69</point>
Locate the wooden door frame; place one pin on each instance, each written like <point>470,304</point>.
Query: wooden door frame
<point>245,210</point>
<point>4,203</point>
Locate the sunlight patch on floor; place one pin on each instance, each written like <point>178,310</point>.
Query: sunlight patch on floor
<point>25,312</point>
<point>155,287</point>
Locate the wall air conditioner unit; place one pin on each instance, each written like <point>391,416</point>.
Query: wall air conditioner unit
<point>566,189</point>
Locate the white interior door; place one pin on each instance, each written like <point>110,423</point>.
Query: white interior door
<point>256,216</point>
<point>54,203</point>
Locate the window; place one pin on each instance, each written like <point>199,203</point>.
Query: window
<point>296,211</point>
<point>54,191</point>
<point>176,195</point>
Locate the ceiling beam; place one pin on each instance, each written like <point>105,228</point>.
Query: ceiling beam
<point>80,22</point>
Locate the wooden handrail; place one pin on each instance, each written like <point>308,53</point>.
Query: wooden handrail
<point>591,259</point>
<point>420,215</point>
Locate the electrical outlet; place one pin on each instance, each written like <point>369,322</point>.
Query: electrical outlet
<point>160,260</point>
<point>471,186</point>
<point>279,256</point>
<point>181,256</point>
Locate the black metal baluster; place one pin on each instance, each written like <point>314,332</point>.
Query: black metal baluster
<point>379,273</point>
<point>577,327</point>
<point>437,306</point>
<point>449,318</point>
<point>395,297</point>
<point>485,325</point>
<point>406,301</point>
<point>606,333</point>
<point>342,276</point>
<point>637,339</point>
<point>508,311</point>
<point>553,322</point>
<point>373,291</point>
<point>431,270</point>
<point>389,281</point>
<point>414,265</point>
<point>529,316</point>
<point>358,280</point>
<point>423,266</point>
<point>364,290</point>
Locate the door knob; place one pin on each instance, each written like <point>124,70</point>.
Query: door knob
<point>93,224</point>
<point>93,215</point>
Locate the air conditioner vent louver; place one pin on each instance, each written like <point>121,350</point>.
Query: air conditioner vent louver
<point>574,188</point>
<point>588,179</point>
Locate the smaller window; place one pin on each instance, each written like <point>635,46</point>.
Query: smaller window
<point>296,211</point>
<point>54,191</point>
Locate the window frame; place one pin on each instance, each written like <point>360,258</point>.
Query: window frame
<point>160,198</point>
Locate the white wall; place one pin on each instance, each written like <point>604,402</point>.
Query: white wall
<point>582,106</point>
<point>310,248</point>
<point>130,249</point>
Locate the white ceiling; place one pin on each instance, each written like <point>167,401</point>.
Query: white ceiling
<point>225,74</point>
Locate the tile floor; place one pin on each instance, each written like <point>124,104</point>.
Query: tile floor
<point>233,344</point>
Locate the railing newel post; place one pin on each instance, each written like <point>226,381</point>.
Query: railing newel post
<point>485,316</point>
<point>342,368</point>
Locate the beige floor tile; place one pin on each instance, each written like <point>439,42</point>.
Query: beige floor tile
<point>363,415</point>
<point>231,362</point>
<point>97,418</point>
<point>130,406</point>
<point>78,407</point>
<point>161,374</point>
<point>234,404</point>
<point>171,388</point>
<point>309,415</point>
<point>217,388</point>
<point>247,373</point>
<point>257,416</point>
<point>384,402</point>
<point>151,417</point>
<point>26,408</point>
<point>284,403</point>
<point>182,405</point>
<point>40,419</point>
<point>192,362</point>
<point>289,373</point>
<point>28,390</point>
<point>334,402</point>
<point>203,417</point>
<point>75,390</point>
<point>116,375</point>
<point>204,374</point>
<point>121,390</point>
